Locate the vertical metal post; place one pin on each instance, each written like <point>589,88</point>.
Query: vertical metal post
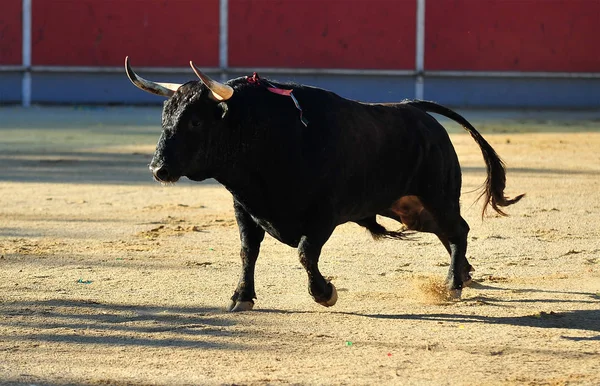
<point>420,50</point>
<point>223,37</point>
<point>26,60</point>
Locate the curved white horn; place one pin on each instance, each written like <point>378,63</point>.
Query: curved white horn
<point>162,89</point>
<point>220,91</point>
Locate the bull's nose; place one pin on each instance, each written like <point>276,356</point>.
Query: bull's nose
<point>161,173</point>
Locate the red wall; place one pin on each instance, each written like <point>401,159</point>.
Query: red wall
<point>11,41</point>
<point>102,32</point>
<point>513,35</point>
<point>373,34</point>
<point>501,35</point>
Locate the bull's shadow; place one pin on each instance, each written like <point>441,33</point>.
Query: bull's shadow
<point>576,320</point>
<point>118,324</point>
<point>586,320</point>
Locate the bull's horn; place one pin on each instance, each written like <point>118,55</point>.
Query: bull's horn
<point>162,89</point>
<point>220,91</point>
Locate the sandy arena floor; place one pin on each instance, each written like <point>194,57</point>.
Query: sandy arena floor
<point>109,278</point>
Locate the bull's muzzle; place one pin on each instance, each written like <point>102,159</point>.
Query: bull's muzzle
<point>162,174</point>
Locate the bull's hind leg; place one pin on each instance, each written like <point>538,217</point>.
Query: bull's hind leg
<point>454,229</point>
<point>445,223</point>
<point>251,235</point>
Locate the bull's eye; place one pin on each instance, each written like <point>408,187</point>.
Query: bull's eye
<point>194,120</point>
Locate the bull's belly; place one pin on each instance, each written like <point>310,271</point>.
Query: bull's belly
<point>363,197</point>
<point>289,226</point>
<point>292,229</point>
<point>288,233</point>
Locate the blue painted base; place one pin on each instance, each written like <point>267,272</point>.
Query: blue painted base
<point>10,87</point>
<point>115,88</point>
<point>514,93</point>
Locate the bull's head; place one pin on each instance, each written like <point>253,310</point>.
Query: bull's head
<point>191,120</point>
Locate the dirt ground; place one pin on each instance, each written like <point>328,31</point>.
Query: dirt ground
<point>107,277</point>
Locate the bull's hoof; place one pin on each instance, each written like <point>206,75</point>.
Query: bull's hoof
<point>454,289</point>
<point>333,299</point>
<point>454,294</point>
<point>236,306</point>
<point>467,281</point>
<point>466,276</point>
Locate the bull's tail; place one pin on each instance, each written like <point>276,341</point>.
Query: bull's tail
<point>495,182</point>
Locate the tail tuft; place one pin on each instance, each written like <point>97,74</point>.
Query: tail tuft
<point>379,232</point>
<point>495,203</point>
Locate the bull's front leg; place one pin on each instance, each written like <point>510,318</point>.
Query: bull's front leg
<point>322,291</point>
<point>251,235</point>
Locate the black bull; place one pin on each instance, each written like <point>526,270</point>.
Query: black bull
<point>352,162</point>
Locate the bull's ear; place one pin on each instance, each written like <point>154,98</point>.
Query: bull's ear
<point>223,109</point>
